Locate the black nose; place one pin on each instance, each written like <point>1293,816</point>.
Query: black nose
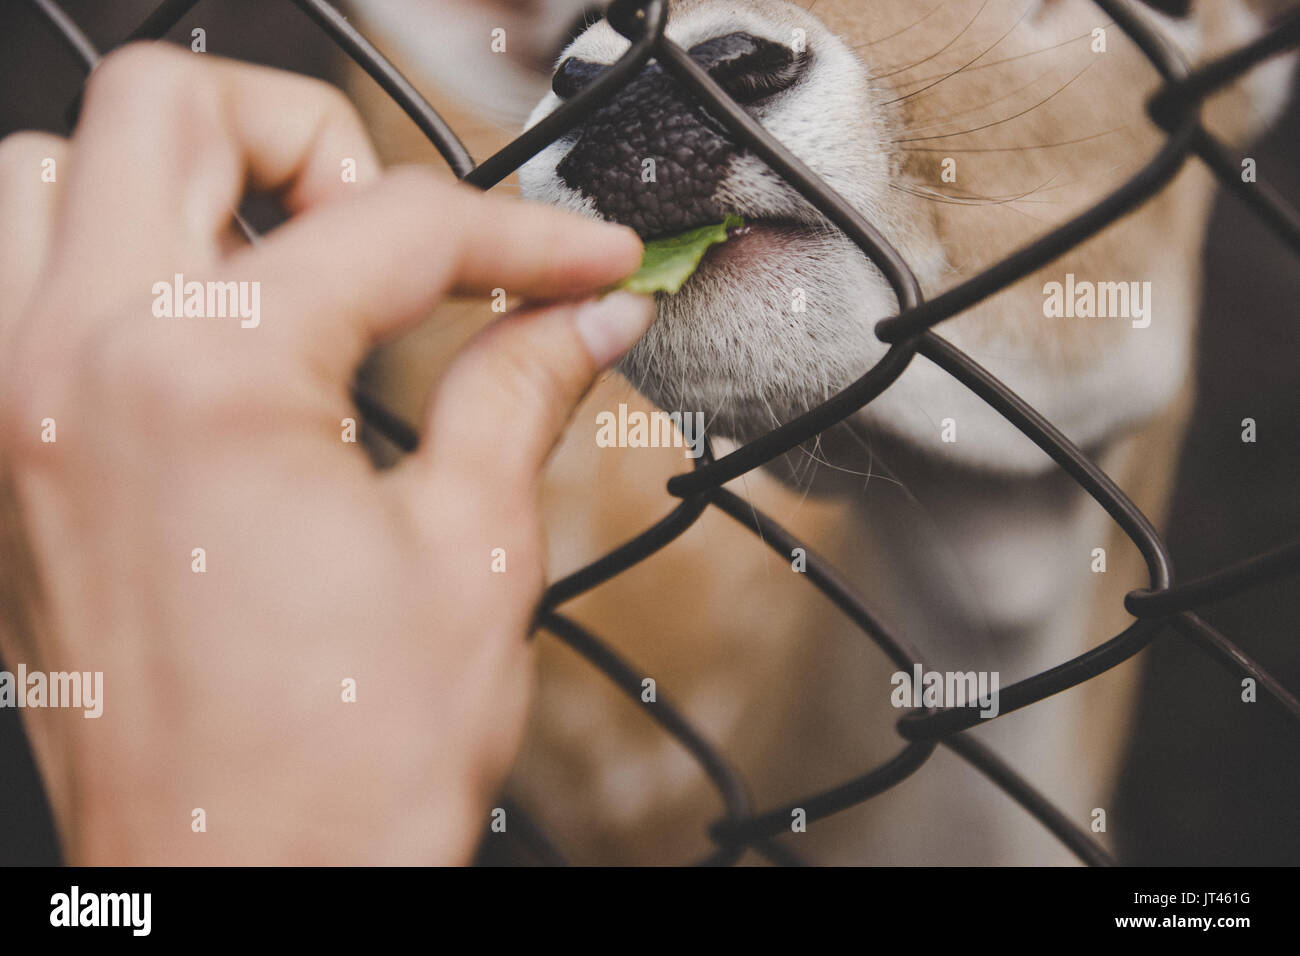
<point>653,158</point>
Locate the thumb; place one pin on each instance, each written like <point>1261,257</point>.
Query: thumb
<point>504,402</point>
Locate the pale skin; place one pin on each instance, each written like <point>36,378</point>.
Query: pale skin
<point>223,690</point>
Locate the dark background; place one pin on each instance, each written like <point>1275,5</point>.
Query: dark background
<point>1208,780</point>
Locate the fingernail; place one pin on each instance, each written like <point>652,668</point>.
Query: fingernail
<point>611,325</point>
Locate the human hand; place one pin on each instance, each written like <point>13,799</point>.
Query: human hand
<point>223,688</point>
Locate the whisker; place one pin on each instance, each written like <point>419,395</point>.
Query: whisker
<point>870,474</point>
<point>924,193</point>
<point>713,418</point>
<point>968,63</point>
<point>1008,119</point>
<point>1018,56</point>
<point>1008,149</point>
<point>749,500</point>
<point>822,460</point>
<point>940,120</point>
<point>904,30</point>
<point>938,52</point>
<point>812,476</point>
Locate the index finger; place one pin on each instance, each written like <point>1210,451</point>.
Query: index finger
<point>352,273</point>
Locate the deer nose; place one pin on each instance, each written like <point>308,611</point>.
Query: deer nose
<point>653,158</point>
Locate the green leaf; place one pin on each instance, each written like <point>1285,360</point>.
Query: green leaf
<point>668,263</point>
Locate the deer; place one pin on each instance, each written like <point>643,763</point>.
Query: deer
<point>961,129</point>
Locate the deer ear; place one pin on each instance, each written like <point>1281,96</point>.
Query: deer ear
<point>1174,8</point>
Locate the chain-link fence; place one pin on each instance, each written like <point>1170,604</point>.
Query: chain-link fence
<point>1160,608</point>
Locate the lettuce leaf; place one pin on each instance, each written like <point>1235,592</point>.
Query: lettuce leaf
<point>668,263</point>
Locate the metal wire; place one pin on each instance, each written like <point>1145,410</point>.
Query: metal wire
<point>1161,607</point>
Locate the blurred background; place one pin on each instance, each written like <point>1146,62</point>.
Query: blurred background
<point>1206,779</point>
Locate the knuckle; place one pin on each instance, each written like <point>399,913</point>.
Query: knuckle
<point>332,102</point>
<point>530,378</point>
<point>323,102</point>
<point>145,75</point>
